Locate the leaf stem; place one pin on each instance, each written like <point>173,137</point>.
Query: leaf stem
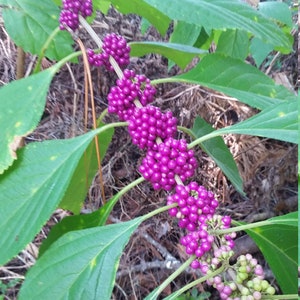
<point>241,227</point>
<point>44,48</point>
<point>275,297</point>
<point>99,43</point>
<point>200,280</point>
<point>170,279</point>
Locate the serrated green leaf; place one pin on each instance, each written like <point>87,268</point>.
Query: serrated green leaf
<point>80,265</point>
<point>32,188</point>
<point>236,79</point>
<point>22,104</point>
<point>278,122</point>
<point>180,54</point>
<point>85,172</point>
<point>141,8</point>
<point>234,43</point>
<point>29,23</point>
<point>278,243</point>
<point>219,152</point>
<point>223,14</point>
<point>96,218</point>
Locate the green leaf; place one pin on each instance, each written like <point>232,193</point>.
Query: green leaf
<point>259,50</point>
<point>278,243</point>
<point>219,152</point>
<point>222,14</point>
<point>234,43</point>
<point>180,54</point>
<point>29,23</point>
<point>141,8</point>
<point>32,188</point>
<point>101,5</point>
<point>279,11</point>
<point>184,34</point>
<point>236,79</point>
<point>85,172</point>
<point>22,104</point>
<point>278,122</point>
<point>80,265</point>
<point>96,218</point>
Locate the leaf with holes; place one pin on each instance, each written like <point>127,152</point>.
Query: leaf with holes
<point>80,265</point>
<point>22,104</point>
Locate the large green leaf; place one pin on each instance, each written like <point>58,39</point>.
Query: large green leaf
<point>219,152</point>
<point>180,54</point>
<point>223,14</point>
<point>279,122</point>
<point>32,188</point>
<point>85,172</point>
<point>29,23</point>
<point>155,16</point>
<point>80,265</point>
<point>22,104</point>
<point>279,245</point>
<point>84,221</point>
<point>237,79</point>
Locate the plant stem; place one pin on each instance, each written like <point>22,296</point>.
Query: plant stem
<point>200,280</point>
<point>99,43</point>
<point>171,278</point>
<point>111,125</point>
<point>241,227</point>
<point>284,297</point>
<point>44,48</point>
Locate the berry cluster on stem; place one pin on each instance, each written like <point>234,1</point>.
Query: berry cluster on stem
<point>168,164</point>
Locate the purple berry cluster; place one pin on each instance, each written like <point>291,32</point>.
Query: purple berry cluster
<point>195,205</point>
<point>71,10</point>
<point>113,45</point>
<point>172,158</point>
<point>210,250</point>
<point>148,123</point>
<point>128,89</point>
<point>245,280</point>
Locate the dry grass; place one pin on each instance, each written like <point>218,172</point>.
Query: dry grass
<point>267,167</point>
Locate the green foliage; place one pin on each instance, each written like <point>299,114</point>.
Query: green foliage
<point>278,243</point>
<point>81,255</point>
<point>35,21</point>
<point>219,152</point>
<point>21,107</point>
<point>41,174</point>
<point>180,54</point>
<point>82,262</point>
<point>85,172</point>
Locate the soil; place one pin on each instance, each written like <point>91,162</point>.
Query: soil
<point>268,167</point>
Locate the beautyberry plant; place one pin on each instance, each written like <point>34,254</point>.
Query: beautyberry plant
<point>82,259</point>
